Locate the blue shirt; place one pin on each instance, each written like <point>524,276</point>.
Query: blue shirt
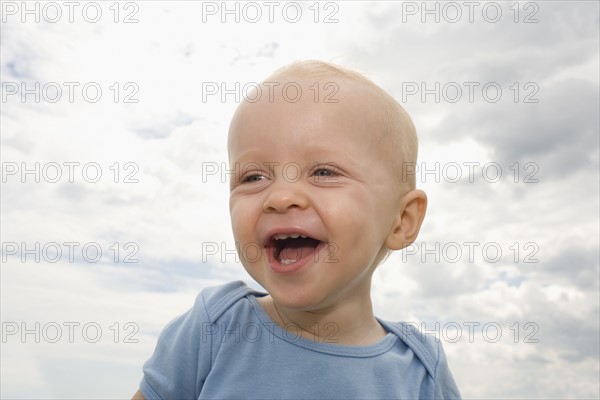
<point>227,347</point>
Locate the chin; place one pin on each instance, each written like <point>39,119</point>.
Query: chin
<point>298,298</point>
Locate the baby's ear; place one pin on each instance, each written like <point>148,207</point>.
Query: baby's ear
<point>408,221</point>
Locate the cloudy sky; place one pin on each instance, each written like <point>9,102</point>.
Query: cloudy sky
<point>113,135</point>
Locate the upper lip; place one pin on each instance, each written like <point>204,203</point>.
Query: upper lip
<point>269,237</point>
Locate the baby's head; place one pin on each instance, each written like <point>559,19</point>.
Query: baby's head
<point>319,196</point>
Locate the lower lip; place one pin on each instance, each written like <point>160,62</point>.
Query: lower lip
<point>291,268</point>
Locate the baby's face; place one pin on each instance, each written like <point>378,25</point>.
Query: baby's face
<point>311,169</point>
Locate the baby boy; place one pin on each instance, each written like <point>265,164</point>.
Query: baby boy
<point>318,201</point>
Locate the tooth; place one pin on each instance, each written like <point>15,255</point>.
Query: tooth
<point>282,236</point>
<point>287,261</point>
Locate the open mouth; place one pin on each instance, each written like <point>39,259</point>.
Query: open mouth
<point>288,249</point>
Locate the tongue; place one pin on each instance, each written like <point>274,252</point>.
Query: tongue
<point>297,249</point>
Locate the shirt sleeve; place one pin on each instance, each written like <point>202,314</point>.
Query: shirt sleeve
<point>444,386</point>
<point>181,360</point>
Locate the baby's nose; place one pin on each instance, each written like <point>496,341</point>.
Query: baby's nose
<point>283,196</point>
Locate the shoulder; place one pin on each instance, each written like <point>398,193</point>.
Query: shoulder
<point>426,347</point>
<point>209,305</point>
<point>184,352</point>
<point>216,300</point>
<point>429,350</point>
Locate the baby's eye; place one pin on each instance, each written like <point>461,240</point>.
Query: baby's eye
<point>253,178</point>
<point>324,172</point>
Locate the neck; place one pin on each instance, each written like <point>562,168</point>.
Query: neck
<point>349,322</point>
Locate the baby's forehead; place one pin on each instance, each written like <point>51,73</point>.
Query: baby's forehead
<point>291,103</point>
<point>305,133</point>
<point>303,95</point>
<point>295,88</point>
<point>298,99</point>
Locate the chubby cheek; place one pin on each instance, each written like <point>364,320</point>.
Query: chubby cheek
<point>349,210</point>
<point>353,224</point>
<point>241,220</point>
<point>243,223</point>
